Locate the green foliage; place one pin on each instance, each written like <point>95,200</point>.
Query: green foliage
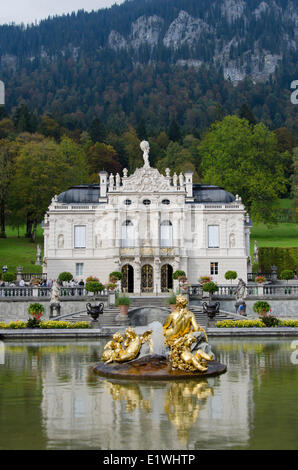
<point>178,273</point>
<point>117,275</point>
<point>210,287</point>
<point>286,274</point>
<point>261,307</point>
<point>94,286</point>
<point>256,323</point>
<point>171,299</point>
<point>122,300</point>
<point>283,258</point>
<point>231,275</point>
<point>36,309</point>
<point>33,323</point>
<point>8,277</point>
<point>245,160</point>
<point>65,276</point>
<point>270,321</point>
<point>54,324</point>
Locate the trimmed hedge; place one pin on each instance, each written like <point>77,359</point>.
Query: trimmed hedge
<point>253,324</point>
<point>283,258</point>
<point>14,325</point>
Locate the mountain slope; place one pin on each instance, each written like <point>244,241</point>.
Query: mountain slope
<point>104,62</point>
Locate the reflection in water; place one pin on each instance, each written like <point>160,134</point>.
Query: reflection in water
<point>183,402</point>
<point>130,393</point>
<point>51,399</point>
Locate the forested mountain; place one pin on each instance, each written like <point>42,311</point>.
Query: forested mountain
<point>189,60</point>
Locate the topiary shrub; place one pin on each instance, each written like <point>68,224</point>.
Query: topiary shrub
<point>94,286</point>
<point>65,277</point>
<point>116,275</point>
<point>8,277</point>
<point>210,287</point>
<point>230,275</point>
<point>261,307</point>
<point>179,273</point>
<point>286,274</point>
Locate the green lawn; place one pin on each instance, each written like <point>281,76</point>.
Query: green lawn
<point>282,235</point>
<point>16,251</point>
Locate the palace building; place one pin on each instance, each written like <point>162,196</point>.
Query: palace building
<point>146,225</point>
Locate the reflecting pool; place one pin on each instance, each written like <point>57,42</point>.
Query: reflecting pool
<point>51,399</point>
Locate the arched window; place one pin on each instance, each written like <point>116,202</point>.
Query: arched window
<point>127,234</point>
<point>166,234</point>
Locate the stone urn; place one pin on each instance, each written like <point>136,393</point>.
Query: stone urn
<point>95,310</point>
<point>211,308</point>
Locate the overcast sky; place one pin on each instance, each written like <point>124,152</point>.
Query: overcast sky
<point>27,11</point>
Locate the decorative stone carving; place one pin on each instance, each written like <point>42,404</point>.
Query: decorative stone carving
<point>61,241</point>
<point>145,148</point>
<point>232,240</point>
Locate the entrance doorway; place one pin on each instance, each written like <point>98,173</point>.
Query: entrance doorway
<point>127,278</point>
<point>147,278</point>
<point>166,278</point>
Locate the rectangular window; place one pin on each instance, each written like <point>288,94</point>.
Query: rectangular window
<point>80,236</point>
<point>79,269</point>
<point>213,268</point>
<point>213,236</point>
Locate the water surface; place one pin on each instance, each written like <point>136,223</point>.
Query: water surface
<point>51,399</point>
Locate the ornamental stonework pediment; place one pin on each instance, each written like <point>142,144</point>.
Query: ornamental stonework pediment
<point>146,179</point>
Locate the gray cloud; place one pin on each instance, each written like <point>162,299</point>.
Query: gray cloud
<point>27,11</point>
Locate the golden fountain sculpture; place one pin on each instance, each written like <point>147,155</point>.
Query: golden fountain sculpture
<point>182,336</point>
<point>115,352</point>
<point>181,332</point>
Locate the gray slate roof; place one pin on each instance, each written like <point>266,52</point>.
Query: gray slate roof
<point>89,194</point>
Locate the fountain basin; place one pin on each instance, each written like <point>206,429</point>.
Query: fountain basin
<point>154,367</point>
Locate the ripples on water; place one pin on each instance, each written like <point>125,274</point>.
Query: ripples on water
<point>51,399</point>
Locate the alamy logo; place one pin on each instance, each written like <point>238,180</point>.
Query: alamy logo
<point>294,355</point>
<point>2,93</point>
<point>294,95</point>
<point>2,352</point>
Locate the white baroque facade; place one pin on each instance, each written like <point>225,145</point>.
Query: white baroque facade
<point>146,225</point>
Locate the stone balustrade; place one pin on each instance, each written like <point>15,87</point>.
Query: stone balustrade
<point>252,290</point>
<point>7,293</point>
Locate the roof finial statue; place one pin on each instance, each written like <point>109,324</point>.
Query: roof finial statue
<point>145,148</point>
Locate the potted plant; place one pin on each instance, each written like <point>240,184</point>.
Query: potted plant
<point>204,279</point>
<point>211,308</point>
<point>260,279</point>
<point>171,301</point>
<point>123,302</point>
<point>261,308</point>
<point>36,310</point>
<point>111,286</point>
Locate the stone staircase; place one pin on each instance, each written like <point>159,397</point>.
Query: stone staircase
<point>108,319</point>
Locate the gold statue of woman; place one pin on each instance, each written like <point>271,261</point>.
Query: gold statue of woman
<point>181,322</point>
